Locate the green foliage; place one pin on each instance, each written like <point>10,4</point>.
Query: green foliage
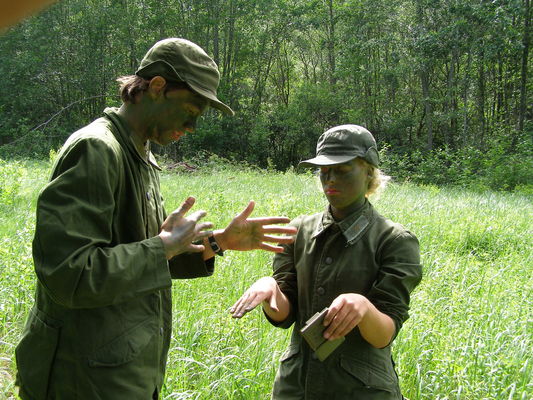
<point>469,334</point>
<point>422,75</point>
<point>506,166</point>
<point>11,174</point>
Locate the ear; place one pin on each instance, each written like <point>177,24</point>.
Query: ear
<point>156,86</point>
<point>369,173</point>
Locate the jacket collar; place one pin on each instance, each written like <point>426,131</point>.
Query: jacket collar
<point>123,135</point>
<point>352,227</point>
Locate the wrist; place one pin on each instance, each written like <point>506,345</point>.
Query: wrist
<point>220,237</point>
<point>166,247</point>
<point>214,242</point>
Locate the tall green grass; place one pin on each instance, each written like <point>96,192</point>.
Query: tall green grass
<point>470,332</point>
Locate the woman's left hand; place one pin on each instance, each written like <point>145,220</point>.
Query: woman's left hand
<point>344,314</point>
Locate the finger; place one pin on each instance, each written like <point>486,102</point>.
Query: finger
<point>270,220</point>
<point>253,302</point>
<point>203,229</point>
<point>270,247</point>
<point>289,230</point>
<point>344,327</point>
<point>335,322</point>
<point>236,305</point>
<point>247,211</point>
<point>185,206</point>
<point>196,248</point>
<point>278,239</point>
<point>334,308</point>
<point>197,215</point>
<point>237,313</point>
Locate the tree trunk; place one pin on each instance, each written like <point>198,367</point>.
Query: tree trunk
<point>523,77</point>
<point>424,78</point>
<point>481,97</point>
<point>331,44</point>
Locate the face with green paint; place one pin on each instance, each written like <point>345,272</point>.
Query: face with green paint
<point>174,114</point>
<point>345,186</point>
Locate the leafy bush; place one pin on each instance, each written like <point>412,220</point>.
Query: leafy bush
<point>11,174</point>
<point>504,165</point>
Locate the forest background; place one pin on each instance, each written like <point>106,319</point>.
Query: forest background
<point>443,84</point>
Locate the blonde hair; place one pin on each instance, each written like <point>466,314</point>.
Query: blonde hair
<point>377,179</point>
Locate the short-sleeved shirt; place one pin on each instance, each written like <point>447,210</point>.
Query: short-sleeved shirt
<point>365,254</point>
<point>100,326</point>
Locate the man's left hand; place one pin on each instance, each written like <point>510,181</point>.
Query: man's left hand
<point>245,233</point>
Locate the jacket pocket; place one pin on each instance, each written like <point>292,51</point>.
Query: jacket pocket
<point>35,354</point>
<point>287,384</point>
<point>290,353</point>
<point>370,376</point>
<point>126,347</point>
<point>290,363</point>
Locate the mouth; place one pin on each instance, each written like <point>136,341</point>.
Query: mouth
<point>177,135</point>
<point>331,191</point>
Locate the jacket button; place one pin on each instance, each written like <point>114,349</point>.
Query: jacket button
<point>329,260</point>
<point>321,290</point>
<point>314,356</point>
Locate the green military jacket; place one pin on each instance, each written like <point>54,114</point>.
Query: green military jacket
<point>366,254</point>
<point>100,326</point>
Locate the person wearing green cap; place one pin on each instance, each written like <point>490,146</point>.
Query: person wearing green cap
<point>351,262</point>
<point>104,249</point>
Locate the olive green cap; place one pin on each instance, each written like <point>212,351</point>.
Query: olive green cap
<point>342,144</point>
<point>179,60</point>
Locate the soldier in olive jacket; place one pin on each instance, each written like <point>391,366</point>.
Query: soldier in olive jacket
<point>350,259</point>
<point>104,249</point>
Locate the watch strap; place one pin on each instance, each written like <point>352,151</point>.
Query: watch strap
<point>214,245</point>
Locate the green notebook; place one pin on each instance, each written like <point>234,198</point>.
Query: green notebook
<point>313,333</point>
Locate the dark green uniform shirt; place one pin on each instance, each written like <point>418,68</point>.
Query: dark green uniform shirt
<point>366,254</point>
<point>100,327</point>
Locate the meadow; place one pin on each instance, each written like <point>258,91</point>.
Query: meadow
<point>471,328</point>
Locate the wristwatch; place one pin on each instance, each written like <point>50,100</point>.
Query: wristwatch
<point>214,245</point>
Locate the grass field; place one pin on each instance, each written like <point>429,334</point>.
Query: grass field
<point>471,328</point>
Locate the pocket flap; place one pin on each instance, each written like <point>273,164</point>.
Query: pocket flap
<point>290,352</point>
<point>368,374</point>
<point>39,342</point>
<point>126,347</point>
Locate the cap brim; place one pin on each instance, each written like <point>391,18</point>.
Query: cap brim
<point>324,160</point>
<point>214,102</point>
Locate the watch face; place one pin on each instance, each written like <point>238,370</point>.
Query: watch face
<point>214,246</point>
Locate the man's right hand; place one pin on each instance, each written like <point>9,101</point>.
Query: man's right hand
<point>179,231</point>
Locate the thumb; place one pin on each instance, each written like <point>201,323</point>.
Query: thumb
<point>273,303</point>
<point>247,211</point>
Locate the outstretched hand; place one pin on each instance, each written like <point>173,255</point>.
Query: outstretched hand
<point>263,289</point>
<point>179,231</point>
<point>245,233</point>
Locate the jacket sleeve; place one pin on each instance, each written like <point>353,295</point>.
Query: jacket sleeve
<point>286,277</point>
<point>74,255</point>
<point>191,265</point>
<point>399,273</point>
